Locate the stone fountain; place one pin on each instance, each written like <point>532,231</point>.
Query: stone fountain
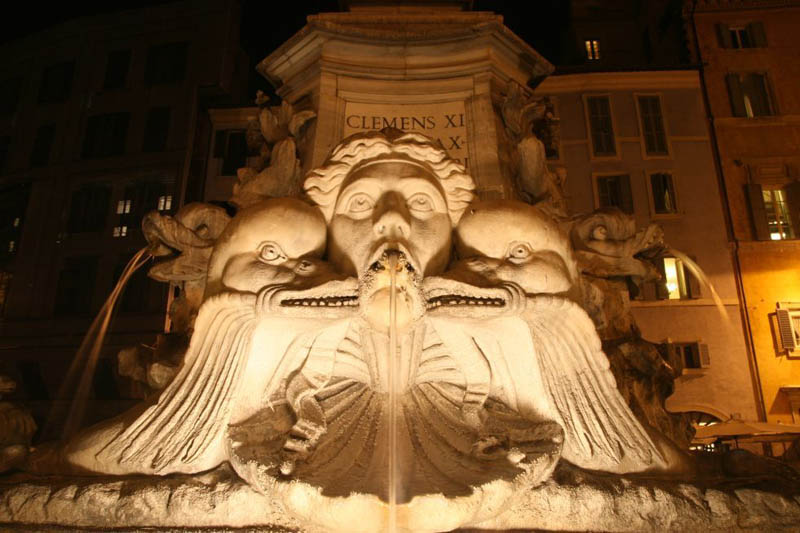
<point>383,344</point>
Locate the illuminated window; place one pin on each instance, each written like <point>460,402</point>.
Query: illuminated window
<point>123,207</point>
<point>778,221</point>
<point>674,278</point>
<point>165,202</point>
<point>662,189</point>
<point>12,246</point>
<point>592,49</point>
<point>120,231</point>
<point>16,222</point>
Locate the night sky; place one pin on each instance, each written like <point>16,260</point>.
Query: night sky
<point>265,26</point>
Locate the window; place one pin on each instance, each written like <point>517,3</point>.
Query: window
<point>655,137</point>
<point>10,91</point>
<point>749,95</point>
<point>691,355</point>
<point>166,63</point>
<point>231,147</point>
<point>89,209</point>
<point>117,69</point>
<point>780,226</point>
<point>105,135</point>
<point>615,191</point>
<point>662,190</point>
<point>56,82</point>
<point>676,282</point>
<point>774,212</point>
<point>164,202</point>
<point>42,144</point>
<point>742,35</point>
<point>601,126</point>
<point>156,129</point>
<point>788,317</point>
<point>138,199</point>
<point>592,49</point>
<point>76,286</point>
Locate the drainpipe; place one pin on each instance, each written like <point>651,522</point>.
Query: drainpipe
<point>737,268</point>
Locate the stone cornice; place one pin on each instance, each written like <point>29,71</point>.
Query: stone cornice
<point>403,46</point>
<point>610,81</point>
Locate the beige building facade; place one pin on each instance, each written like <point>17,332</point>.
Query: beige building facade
<point>639,141</point>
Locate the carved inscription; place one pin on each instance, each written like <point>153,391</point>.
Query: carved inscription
<point>445,122</point>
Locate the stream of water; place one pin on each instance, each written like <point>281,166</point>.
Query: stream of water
<point>393,392</point>
<point>697,272</point>
<point>85,361</point>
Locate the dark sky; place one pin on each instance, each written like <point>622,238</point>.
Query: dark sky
<point>265,26</point>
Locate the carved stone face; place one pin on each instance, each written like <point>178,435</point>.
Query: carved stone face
<point>274,242</point>
<point>390,205</point>
<point>504,241</point>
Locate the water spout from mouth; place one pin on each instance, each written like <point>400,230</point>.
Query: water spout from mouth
<point>392,379</point>
<point>85,361</point>
<point>704,281</point>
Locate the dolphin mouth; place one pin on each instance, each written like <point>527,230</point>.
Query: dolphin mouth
<point>450,293</point>
<point>335,293</point>
<point>322,301</point>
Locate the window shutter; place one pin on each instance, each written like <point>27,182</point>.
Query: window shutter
<point>792,192</point>
<point>736,95</point>
<point>785,329</point>
<point>757,211</point>
<point>705,358</point>
<point>756,31</point>
<point>724,35</point>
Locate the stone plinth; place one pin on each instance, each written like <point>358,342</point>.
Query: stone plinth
<point>573,500</point>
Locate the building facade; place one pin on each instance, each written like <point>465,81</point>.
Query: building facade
<point>748,52</point>
<point>99,122</point>
<point>638,141</point>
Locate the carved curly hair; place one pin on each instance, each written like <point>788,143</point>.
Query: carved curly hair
<point>322,184</point>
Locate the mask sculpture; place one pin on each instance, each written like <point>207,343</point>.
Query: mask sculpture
<point>381,384</point>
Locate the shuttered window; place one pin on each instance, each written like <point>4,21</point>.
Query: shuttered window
<point>655,137</point>
<point>663,190</point>
<point>600,126</point>
<point>738,36</point>
<point>749,95</point>
<point>615,191</point>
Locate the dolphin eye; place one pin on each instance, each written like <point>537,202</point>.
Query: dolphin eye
<point>519,251</point>
<point>359,203</point>
<point>304,267</point>
<point>269,252</point>
<point>420,202</point>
